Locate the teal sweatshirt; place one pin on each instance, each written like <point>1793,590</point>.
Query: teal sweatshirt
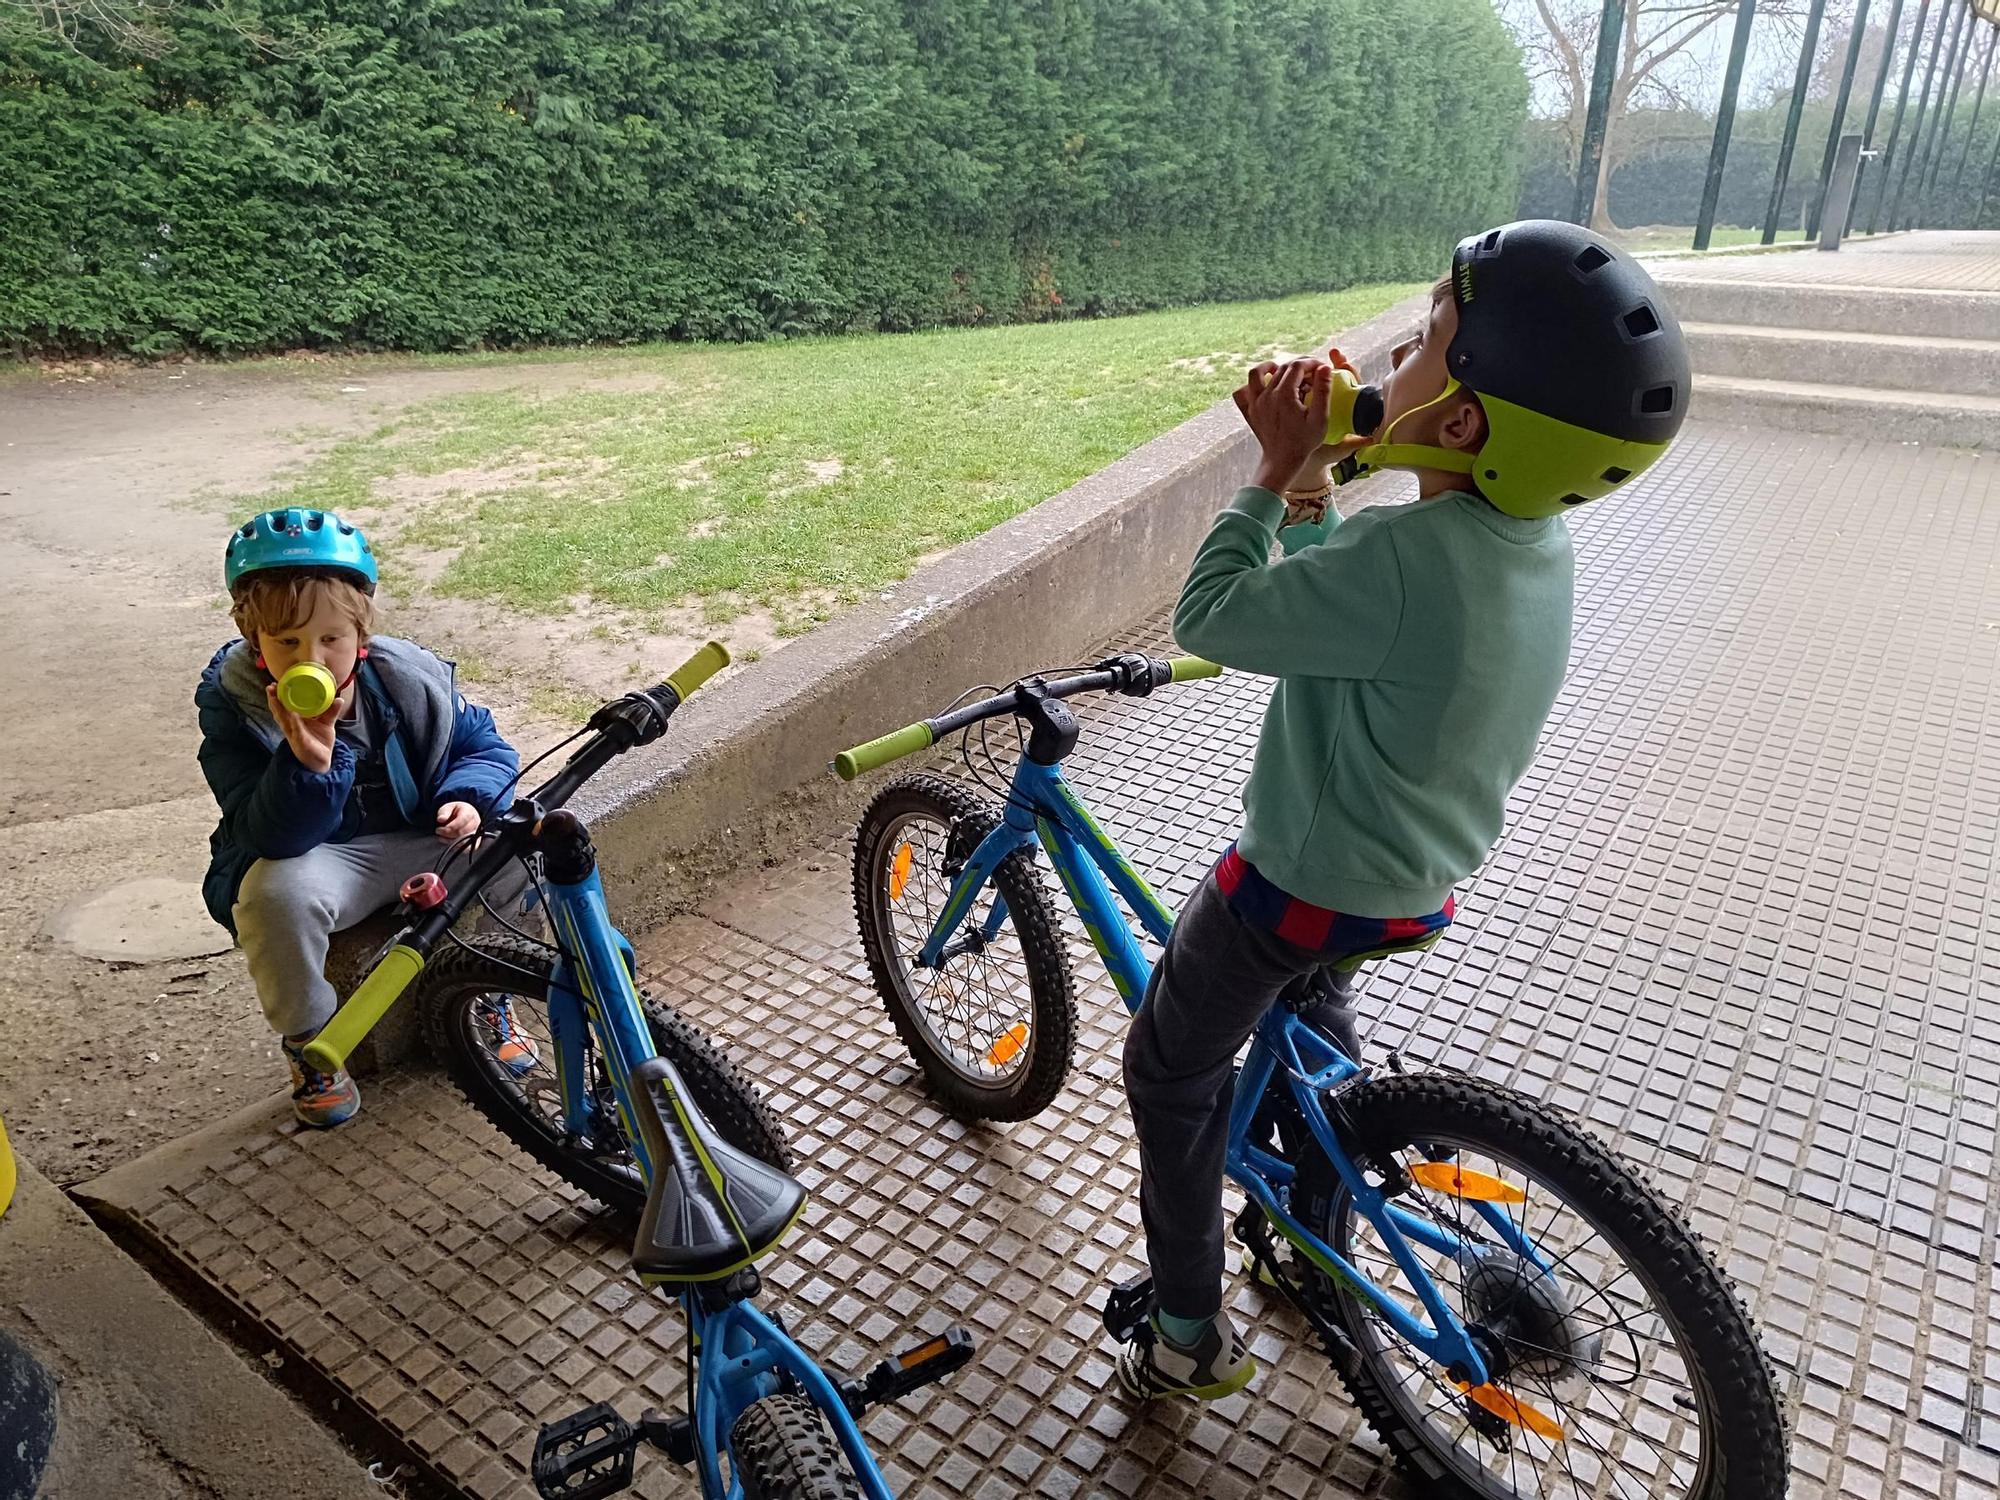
<point>1418,649</point>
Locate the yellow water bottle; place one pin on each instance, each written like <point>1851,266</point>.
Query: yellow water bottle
<point>1352,409</point>
<point>308,689</point>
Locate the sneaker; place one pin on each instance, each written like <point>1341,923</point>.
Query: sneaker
<point>514,1048</point>
<point>1152,1365</point>
<point>321,1100</point>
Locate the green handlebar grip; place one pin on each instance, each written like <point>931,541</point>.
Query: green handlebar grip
<point>1188,668</point>
<point>698,668</point>
<point>877,753</point>
<point>367,1005</point>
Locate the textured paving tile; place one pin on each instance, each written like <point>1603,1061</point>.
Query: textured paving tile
<point>1936,260</point>
<point>1741,921</point>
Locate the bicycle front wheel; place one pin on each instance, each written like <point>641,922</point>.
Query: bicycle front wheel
<point>782,1451</point>
<point>1628,1368</point>
<point>994,1025</point>
<point>486,1016</point>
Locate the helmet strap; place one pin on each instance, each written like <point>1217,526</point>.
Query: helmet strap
<point>1386,454</point>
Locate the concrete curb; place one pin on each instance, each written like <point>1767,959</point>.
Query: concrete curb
<point>151,1401</point>
<point>744,775</point>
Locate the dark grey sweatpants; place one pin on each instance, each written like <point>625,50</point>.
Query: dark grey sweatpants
<point>1210,988</point>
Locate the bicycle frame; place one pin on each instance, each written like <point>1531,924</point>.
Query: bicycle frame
<point>1044,809</point>
<point>743,1352</point>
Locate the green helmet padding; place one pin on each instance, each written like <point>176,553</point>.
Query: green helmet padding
<point>1536,465</point>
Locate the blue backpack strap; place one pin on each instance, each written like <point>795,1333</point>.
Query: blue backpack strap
<point>395,756</point>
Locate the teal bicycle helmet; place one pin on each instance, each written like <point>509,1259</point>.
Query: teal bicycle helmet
<point>316,539</point>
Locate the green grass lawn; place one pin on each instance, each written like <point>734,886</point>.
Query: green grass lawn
<point>789,476</point>
<point>1681,237</point>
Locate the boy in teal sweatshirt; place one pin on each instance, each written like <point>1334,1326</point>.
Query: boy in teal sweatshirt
<point>1418,649</point>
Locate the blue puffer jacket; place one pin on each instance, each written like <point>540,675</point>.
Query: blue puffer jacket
<point>439,748</point>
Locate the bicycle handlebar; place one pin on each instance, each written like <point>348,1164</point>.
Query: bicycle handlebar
<point>1119,674</point>
<point>633,720</point>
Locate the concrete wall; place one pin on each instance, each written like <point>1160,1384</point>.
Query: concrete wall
<point>743,775</point>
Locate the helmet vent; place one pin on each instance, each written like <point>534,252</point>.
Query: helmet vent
<point>1615,475</point>
<point>1657,401</point>
<point>1641,322</point>
<point>1592,258</point>
<point>1576,499</point>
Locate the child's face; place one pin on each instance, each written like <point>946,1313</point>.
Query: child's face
<point>328,636</point>
<point>1420,371</point>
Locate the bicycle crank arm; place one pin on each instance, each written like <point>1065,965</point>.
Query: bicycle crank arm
<point>1254,1230</point>
<point>909,1371</point>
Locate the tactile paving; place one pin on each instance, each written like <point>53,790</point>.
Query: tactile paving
<point>1742,921</point>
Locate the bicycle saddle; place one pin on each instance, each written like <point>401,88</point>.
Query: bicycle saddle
<point>711,1209</point>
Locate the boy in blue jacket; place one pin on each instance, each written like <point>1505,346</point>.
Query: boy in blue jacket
<point>324,818</point>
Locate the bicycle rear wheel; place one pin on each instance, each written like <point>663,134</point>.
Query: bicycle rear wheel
<point>993,1026</point>
<point>479,999</point>
<point>783,1452</point>
<point>1632,1370</point>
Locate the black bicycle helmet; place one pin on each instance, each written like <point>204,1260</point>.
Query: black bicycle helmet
<point>1576,359</point>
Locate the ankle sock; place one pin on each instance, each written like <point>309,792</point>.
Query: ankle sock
<point>1186,1332</point>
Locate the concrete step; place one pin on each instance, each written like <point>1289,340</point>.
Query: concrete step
<point>1939,421</point>
<point>1885,361</point>
<point>1911,312</point>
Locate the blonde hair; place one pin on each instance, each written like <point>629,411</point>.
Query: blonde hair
<point>275,600</point>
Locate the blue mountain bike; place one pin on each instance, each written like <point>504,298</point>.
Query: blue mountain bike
<point>1512,1308</point>
<point>549,1036</point>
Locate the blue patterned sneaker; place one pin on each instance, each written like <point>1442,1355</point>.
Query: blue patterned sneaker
<point>1218,1365</point>
<point>321,1100</point>
<point>514,1048</point>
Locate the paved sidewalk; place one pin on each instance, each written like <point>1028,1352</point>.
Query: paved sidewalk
<point>1961,260</point>
<point>1742,921</point>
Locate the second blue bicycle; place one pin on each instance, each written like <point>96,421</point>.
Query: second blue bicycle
<point>1513,1309</point>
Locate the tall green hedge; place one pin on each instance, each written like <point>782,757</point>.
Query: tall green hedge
<point>435,174</point>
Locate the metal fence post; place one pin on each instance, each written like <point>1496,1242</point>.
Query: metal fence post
<point>1875,96</point>
<point>1604,74</point>
<point>1902,102</point>
<point>1978,101</point>
<point>1725,121</point>
<point>1948,87</point>
<point>1840,191</point>
<point>1792,120</point>
<point>1923,105</point>
<point>1854,41</point>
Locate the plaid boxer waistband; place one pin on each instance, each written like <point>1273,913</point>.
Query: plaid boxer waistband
<point>1264,905</point>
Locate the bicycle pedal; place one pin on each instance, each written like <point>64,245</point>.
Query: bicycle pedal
<point>1128,1310</point>
<point>910,1371</point>
<point>585,1456</point>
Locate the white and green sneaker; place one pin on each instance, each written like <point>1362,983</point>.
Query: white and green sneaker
<point>1219,1364</point>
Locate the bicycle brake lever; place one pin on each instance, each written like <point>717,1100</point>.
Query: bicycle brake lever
<point>1135,673</point>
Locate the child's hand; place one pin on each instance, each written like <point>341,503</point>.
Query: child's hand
<point>456,820</point>
<point>311,739</point>
<point>1285,406</point>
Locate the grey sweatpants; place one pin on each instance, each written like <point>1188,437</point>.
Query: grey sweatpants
<point>1210,988</point>
<point>287,908</point>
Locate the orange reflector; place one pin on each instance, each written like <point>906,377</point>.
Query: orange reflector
<point>1449,1177</point>
<point>899,873</point>
<point>1513,1410</point>
<point>922,1353</point>
<point>1008,1045</point>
